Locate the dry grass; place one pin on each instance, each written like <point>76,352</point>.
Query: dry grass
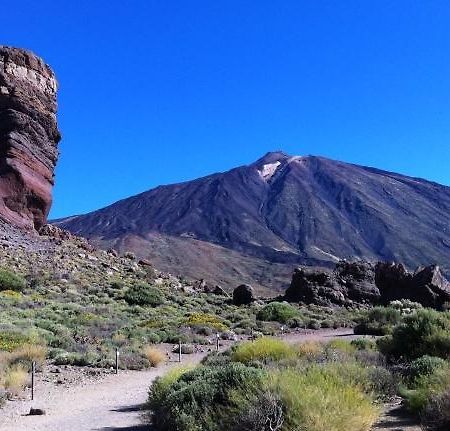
<point>154,356</point>
<point>29,353</point>
<point>310,349</point>
<point>15,379</point>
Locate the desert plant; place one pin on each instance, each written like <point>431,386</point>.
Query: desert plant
<point>143,295</point>
<point>316,400</point>
<point>206,320</point>
<point>28,353</point>
<point>425,366</point>
<point>378,321</point>
<point>11,281</point>
<point>425,387</point>
<point>426,332</point>
<point>264,349</point>
<point>155,356</point>
<point>15,380</point>
<point>12,340</point>
<point>277,312</point>
<point>196,399</point>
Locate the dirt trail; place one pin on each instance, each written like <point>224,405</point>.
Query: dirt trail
<point>114,403</point>
<point>395,418</point>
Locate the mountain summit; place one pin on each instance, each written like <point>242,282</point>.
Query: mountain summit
<point>255,223</point>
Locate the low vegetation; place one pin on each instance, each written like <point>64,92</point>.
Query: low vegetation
<point>82,321</point>
<point>268,384</point>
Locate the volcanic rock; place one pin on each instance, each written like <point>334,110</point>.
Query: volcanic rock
<point>243,295</point>
<point>349,282</point>
<point>28,137</point>
<point>426,286</point>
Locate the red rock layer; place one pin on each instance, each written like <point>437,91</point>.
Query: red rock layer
<point>29,137</point>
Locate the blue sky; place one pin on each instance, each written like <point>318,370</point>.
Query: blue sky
<point>155,92</point>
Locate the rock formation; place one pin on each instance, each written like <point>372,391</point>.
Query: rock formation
<point>243,295</point>
<point>349,283</point>
<point>426,286</point>
<point>356,283</point>
<point>28,138</point>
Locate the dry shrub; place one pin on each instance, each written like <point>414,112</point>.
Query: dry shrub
<point>28,353</point>
<point>310,349</point>
<point>154,356</point>
<point>16,379</point>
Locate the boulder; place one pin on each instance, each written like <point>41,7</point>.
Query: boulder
<point>29,138</point>
<point>243,295</point>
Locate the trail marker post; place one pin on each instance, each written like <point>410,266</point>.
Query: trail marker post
<point>179,351</point>
<point>217,342</point>
<point>117,360</point>
<point>33,372</point>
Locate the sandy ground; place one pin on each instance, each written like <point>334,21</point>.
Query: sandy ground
<point>111,402</point>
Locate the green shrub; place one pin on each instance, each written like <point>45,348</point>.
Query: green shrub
<point>426,332</point>
<point>277,312</point>
<point>144,295</point>
<point>195,400</point>
<point>10,340</point>
<point>364,344</point>
<point>263,349</point>
<point>425,387</point>
<point>206,319</point>
<point>378,321</point>
<point>11,281</point>
<point>425,366</point>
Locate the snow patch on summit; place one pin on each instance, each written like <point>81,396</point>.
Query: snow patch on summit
<point>268,170</point>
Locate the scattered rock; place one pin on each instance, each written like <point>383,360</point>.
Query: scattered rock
<point>36,412</point>
<point>243,295</point>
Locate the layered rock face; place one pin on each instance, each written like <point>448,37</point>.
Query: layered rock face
<point>29,137</point>
<point>356,283</point>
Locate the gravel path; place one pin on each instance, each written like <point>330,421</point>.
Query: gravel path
<point>112,403</point>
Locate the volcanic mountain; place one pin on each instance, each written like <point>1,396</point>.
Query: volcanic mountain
<point>256,223</point>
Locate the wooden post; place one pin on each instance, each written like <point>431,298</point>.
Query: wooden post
<point>217,342</point>
<point>117,360</point>
<point>33,371</point>
<point>179,351</point>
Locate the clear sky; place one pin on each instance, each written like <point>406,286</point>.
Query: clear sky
<point>155,92</point>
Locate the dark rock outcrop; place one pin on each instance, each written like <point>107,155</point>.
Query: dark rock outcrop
<point>426,286</point>
<point>28,137</point>
<point>361,282</point>
<point>243,295</point>
<point>350,282</point>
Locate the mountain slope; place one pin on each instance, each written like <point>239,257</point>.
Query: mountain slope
<point>281,209</point>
